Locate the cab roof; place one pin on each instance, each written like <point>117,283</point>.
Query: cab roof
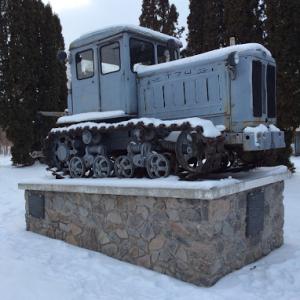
<point>118,29</point>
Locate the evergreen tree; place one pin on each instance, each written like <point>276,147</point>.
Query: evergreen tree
<point>148,17</point>
<point>30,76</point>
<point>20,79</point>
<point>52,91</point>
<point>211,23</point>
<point>214,26</point>
<point>243,20</point>
<point>282,27</point>
<point>159,15</point>
<point>206,27</point>
<point>168,18</point>
<point>196,21</point>
<point>162,11</point>
<point>283,39</point>
<point>3,58</point>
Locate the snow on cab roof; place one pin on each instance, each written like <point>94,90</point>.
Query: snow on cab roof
<point>113,30</point>
<point>204,58</point>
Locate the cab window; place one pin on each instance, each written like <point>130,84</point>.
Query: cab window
<point>110,58</point>
<point>85,64</point>
<point>163,54</point>
<point>141,52</point>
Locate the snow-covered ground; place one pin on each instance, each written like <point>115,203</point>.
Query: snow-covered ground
<point>35,267</point>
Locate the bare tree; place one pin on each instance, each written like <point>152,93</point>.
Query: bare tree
<point>5,144</point>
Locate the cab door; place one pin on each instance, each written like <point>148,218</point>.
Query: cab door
<point>112,77</point>
<point>85,88</point>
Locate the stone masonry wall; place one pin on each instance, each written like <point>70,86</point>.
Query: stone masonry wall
<point>197,241</point>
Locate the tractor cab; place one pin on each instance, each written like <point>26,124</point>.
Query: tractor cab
<point>103,64</point>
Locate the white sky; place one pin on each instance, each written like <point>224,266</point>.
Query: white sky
<point>81,16</point>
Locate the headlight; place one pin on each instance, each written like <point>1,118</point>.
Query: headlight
<point>233,59</point>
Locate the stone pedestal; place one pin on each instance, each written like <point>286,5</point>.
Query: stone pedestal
<point>169,230</point>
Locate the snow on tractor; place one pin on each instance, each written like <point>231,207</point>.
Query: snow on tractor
<point>135,107</point>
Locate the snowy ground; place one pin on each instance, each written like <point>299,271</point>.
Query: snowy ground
<point>35,267</point>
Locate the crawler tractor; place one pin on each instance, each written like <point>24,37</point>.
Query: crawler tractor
<point>136,108</point>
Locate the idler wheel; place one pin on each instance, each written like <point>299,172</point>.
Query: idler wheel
<point>190,152</point>
<point>76,167</point>
<point>102,167</point>
<point>157,166</point>
<point>53,160</point>
<point>62,152</point>
<point>124,167</point>
<point>59,152</point>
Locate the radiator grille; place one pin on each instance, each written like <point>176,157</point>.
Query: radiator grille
<point>271,89</point>
<point>257,88</point>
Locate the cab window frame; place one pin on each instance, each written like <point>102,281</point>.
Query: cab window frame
<point>154,53</point>
<point>120,62</point>
<point>77,74</point>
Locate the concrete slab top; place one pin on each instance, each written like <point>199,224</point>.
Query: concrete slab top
<point>222,185</point>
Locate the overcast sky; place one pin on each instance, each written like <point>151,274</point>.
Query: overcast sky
<point>81,16</point>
